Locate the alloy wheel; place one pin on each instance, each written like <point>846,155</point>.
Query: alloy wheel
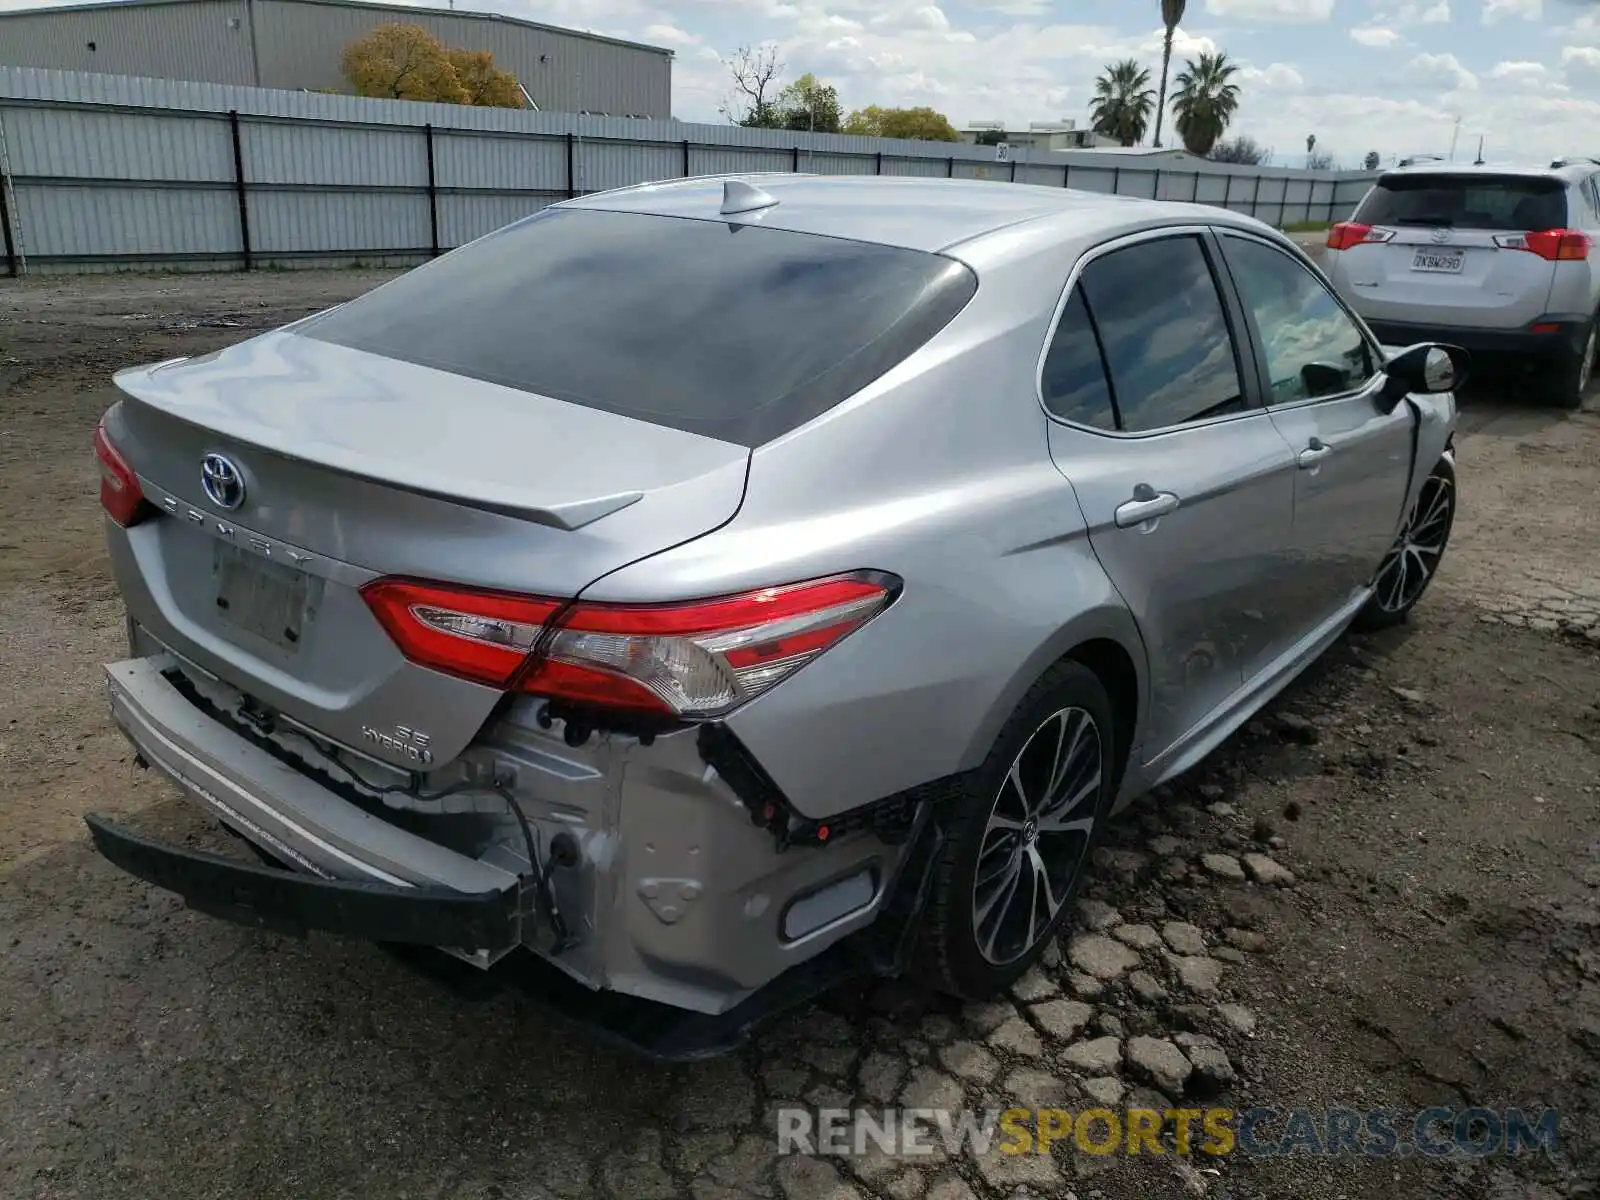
<point>1417,551</point>
<point>1036,837</point>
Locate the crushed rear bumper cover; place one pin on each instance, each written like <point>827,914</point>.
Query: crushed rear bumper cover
<point>294,903</point>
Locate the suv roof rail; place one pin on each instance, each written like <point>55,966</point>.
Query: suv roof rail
<point>1571,159</point>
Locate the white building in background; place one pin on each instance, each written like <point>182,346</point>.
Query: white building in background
<point>1039,135</point>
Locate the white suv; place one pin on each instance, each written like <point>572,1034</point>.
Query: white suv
<point>1493,259</point>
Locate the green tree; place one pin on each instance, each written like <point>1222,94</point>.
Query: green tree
<point>1171,14</point>
<point>486,85</point>
<point>1241,149</point>
<point>1372,160</point>
<point>808,104</point>
<point>921,124</point>
<point>1122,102</point>
<point>402,62</point>
<point>1205,101</point>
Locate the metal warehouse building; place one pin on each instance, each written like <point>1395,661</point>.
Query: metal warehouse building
<point>297,43</point>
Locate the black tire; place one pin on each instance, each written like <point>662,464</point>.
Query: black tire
<point>1421,543</point>
<point>949,956</point>
<point>1569,379</point>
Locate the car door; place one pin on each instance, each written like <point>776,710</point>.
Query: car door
<point>1186,484</point>
<point>1321,375</point>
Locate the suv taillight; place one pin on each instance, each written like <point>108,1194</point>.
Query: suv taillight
<point>120,494</point>
<point>1352,233</point>
<point>694,660</point>
<point>1554,245</point>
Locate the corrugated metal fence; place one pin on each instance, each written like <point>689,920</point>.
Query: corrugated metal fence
<point>107,172</point>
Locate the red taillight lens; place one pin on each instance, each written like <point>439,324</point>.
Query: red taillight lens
<point>120,494</point>
<point>697,659</point>
<point>1351,233</point>
<point>1554,245</point>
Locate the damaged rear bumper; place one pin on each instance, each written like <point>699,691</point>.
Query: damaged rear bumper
<point>294,903</point>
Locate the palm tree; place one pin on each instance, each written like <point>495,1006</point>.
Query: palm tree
<point>1171,14</point>
<point>1122,102</point>
<point>1205,101</point>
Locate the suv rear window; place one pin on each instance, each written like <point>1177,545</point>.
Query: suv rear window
<point>1509,202</point>
<point>733,331</point>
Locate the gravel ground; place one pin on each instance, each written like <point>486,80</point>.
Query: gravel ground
<point>1430,792</point>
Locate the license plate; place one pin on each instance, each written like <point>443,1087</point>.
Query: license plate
<point>260,596</point>
<point>1441,262</point>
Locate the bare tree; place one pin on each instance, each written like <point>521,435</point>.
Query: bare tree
<point>755,71</point>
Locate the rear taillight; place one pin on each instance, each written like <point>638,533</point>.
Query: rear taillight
<point>1351,233</point>
<point>693,660</point>
<point>120,494</point>
<point>1554,245</point>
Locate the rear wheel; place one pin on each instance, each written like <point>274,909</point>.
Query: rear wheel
<point>1572,375</point>
<point>1019,837</point>
<point>1414,558</point>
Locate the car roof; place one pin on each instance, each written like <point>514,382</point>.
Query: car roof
<point>1569,170</point>
<point>914,213</point>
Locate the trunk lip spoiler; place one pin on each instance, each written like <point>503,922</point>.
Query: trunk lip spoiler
<point>568,516</point>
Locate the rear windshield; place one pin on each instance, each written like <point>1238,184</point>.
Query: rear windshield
<point>1466,202</point>
<point>733,331</point>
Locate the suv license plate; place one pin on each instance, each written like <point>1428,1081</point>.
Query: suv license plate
<point>1441,262</point>
<point>261,597</point>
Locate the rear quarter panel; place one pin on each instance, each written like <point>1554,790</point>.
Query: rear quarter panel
<point>939,473</point>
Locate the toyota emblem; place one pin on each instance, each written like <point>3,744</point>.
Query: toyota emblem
<point>1441,235</point>
<point>222,481</point>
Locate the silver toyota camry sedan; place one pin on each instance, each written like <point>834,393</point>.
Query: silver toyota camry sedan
<point>705,590</point>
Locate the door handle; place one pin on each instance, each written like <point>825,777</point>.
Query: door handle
<point>1147,505</point>
<point>1314,453</point>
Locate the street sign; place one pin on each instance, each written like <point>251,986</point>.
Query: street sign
<point>1002,152</point>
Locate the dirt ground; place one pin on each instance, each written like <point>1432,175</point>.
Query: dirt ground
<point>1433,790</point>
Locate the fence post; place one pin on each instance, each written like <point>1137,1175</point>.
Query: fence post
<point>686,158</point>
<point>1155,193</point>
<point>795,161</point>
<point>878,169</point>
<point>1116,181</point>
<point>1255,196</point>
<point>1194,195</point>
<point>572,166</point>
<point>433,196</point>
<point>240,192</point>
<point>1013,170</point>
<point>950,167</point>
<point>1066,175</point>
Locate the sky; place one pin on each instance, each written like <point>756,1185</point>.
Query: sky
<point>1360,75</point>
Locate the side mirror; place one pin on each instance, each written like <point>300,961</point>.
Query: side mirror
<point>1426,369</point>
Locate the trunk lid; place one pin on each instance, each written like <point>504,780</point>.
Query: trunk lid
<point>347,465</point>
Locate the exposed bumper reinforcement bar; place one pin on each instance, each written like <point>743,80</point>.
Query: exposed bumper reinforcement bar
<point>293,903</point>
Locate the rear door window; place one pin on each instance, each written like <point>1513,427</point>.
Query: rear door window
<point>1074,383</point>
<point>1501,202</point>
<point>1168,348</point>
<point>734,331</point>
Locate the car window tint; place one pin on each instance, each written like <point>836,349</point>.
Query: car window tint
<point>1466,202</point>
<point>1074,381</point>
<point>725,329</point>
<point>1312,346</point>
<point>1166,339</point>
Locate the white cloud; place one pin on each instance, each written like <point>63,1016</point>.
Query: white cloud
<point>1581,64</point>
<point>669,35</point>
<point>1424,14</point>
<point>1277,77</point>
<point>1519,72</point>
<point>1527,10</point>
<point>1376,36</point>
<point>1440,70</point>
<point>1271,10</point>
<point>1013,8</point>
